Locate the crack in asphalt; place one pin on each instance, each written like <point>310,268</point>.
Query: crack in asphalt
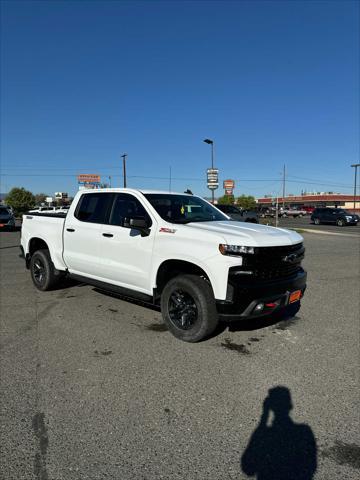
<point>40,431</point>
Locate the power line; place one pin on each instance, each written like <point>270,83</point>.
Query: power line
<point>241,181</point>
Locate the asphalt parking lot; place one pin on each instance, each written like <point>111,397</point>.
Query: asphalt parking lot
<point>93,387</point>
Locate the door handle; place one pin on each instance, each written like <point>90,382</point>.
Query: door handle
<point>109,235</point>
<point>70,229</point>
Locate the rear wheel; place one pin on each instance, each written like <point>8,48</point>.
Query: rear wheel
<point>188,308</point>
<point>317,221</point>
<point>43,273</point>
<point>340,222</point>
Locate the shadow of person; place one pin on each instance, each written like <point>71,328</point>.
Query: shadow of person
<point>280,449</point>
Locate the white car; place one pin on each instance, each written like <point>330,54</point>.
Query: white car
<point>171,249</point>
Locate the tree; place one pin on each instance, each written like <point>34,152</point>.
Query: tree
<point>247,202</point>
<point>20,200</point>
<point>40,198</point>
<point>226,200</point>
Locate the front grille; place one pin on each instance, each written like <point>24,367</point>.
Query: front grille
<point>268,263</point>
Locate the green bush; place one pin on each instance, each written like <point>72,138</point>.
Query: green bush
<point>20,200</point>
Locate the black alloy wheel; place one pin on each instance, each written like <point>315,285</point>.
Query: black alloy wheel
<point>340,222</point>
<point>188,307</point>
<point>38,271</point>
<point>182,309</point>
<point>42,270</point>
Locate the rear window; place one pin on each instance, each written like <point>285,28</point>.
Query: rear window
<point>94,207</point>
<point>4,211</point>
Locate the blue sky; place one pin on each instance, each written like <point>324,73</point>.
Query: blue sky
<point>271,82</point>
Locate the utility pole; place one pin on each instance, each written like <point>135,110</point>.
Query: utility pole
<point>110,181</point>
<point>283,194</point>
<point>356,165</point>
<point>124,167</point>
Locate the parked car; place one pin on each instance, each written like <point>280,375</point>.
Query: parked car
<point>308,209</point>
<point>48,210</point>
<point>291,212</point>
<point>238,214</point>
<point>334,215</point>
<point>267,212</point>
<point>169,249</point>
<point>42,209</point>
<point>7,219</point>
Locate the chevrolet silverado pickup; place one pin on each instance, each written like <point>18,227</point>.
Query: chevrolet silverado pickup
<point>174,250</point>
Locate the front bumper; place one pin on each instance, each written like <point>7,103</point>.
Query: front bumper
<point>244,296</point>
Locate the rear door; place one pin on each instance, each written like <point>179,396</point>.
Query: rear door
<point>126,254</point>
<point>82,233</point>
<point>330,215</point>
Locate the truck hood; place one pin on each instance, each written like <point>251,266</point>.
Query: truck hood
<point>248,234</point>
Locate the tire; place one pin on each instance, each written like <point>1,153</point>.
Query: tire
<point>43,273</point>
<point>188,308</point>
<point>340,222</point>
<point>317,221</point>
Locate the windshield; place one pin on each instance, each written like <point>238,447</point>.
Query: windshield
<point>183,208</point>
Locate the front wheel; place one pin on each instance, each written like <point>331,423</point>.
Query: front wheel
<point>340,222</point>
<point>43,273</point>
<point>188,308</point>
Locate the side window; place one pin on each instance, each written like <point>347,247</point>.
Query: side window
<point>94,207</point>
<point>126,206</point>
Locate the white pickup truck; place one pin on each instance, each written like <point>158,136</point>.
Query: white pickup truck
<point>173,250</point>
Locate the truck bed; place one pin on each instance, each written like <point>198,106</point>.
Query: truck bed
<point>48,227</point>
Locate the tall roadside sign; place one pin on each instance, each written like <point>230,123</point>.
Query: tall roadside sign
<point>88,180</point>
<point>212,178</point>
<point>229,186</point>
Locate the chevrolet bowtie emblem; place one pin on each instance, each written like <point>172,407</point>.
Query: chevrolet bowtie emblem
<point>290,258</point>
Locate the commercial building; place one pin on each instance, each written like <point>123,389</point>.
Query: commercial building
<point>316,199</point>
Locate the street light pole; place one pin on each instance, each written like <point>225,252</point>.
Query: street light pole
<point>283,195</point>
<point>356,165</point>
<point>211,142</point>
<point>124,168</point>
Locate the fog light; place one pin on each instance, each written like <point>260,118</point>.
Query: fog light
<point>271,305</point>
<point>259,307</point>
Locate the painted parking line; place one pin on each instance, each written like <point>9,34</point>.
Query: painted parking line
<point>325,232</point>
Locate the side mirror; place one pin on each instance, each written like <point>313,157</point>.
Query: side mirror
<point>140,224</point>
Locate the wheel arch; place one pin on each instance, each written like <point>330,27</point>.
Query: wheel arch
<point>35,243</point>
<point>169,269</point>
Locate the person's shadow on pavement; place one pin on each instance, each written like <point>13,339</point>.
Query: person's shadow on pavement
<point>283,450</point>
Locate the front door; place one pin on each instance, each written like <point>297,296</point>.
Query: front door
<point>126,254</point>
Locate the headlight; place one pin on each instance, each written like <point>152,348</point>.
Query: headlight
<point>234,249</point>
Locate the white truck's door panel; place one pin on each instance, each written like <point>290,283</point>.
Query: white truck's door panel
<point>126,257</point>
<point>81,247</point>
